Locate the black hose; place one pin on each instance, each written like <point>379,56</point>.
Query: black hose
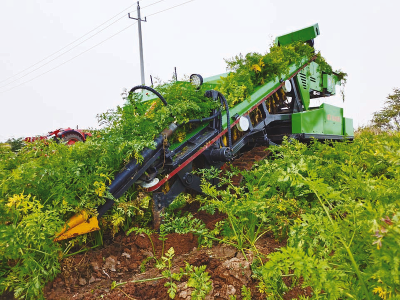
<point>220,128</point>
<point>204,119</point>
<point>228,119</point>
<point>215,95</point>
<point>143,87</point>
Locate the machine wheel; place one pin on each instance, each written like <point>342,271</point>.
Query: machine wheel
<point>71,138</point>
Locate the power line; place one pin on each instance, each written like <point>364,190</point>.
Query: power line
<point>70,43</point>
<point>58,56</point>
<point>69,59</point>
<point>152,4</point>
<point>169,8</point>
<point>69,50</point>
<point>94,46</point>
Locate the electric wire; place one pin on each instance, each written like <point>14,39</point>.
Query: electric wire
<point>169,8</point>
<point>70,59</point>
<point>58,56</point>
<point>63,63</point>
<point>151,4</point>
<point>68,44</point>
<point>69,50</point>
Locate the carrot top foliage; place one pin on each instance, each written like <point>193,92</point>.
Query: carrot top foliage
<point>45,183</point>
<point>337,206</point>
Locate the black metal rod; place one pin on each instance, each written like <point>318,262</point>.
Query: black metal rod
<point>133,170</point>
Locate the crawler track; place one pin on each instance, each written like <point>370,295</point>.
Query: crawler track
<point>246,162</point>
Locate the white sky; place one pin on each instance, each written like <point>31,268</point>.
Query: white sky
<point>359,37</point>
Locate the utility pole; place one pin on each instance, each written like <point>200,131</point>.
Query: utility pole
<point>140,40</point>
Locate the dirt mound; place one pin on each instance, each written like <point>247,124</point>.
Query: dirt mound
<point>128,258</point>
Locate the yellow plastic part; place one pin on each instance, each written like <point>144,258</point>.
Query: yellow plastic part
<point>77,225</point>
<point>225,139</point>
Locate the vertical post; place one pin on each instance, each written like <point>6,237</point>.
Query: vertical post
<point>140,41</point>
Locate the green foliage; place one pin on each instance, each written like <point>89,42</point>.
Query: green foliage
<point>61,181</point>
<point>338,206</point>
<point>146,231</point>
<point>252,209</point>
<point>246,293</point>
<point>139,122</point>
<point>345,239</point>
<point>315,272</point>
<point>189,224</point>
<point>16,144</point>
<point>198,278</point>
<point>29,257</point>
<point>245,215</point>
<point>388,118</point>
<point>255,69</point>
<point>166,264</point>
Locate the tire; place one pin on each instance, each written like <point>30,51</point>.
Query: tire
<point>71,138</point>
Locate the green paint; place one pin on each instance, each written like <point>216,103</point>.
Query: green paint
<point>348,129</point>
<point>327,119</point>
<point>259,93</point>
<point>301,35</point>
<point>329,83</point>
<point>304,89</point>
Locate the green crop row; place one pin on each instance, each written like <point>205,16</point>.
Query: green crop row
<point>45,183</point>
<point>338,207</point>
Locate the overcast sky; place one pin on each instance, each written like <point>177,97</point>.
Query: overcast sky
<point>359,37</point>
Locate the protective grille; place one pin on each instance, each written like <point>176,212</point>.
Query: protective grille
<point>303,79</point>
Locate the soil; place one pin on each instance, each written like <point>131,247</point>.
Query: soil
<point>130,258</point>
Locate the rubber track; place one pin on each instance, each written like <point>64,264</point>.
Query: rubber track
<point>246,162</point>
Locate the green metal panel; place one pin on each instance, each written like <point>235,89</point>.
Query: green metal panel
<point>304,88</point>
<point>302,35</point>
<point>309,79</point>
<point>348,129</point>
<point>329,83</point>
<point>333,119</point>
<point>214,79</point>
<point>314,76</point>
<point>308,122</point>
<point>259,94</point>
<point>312,79</point>
<point>327,119</point>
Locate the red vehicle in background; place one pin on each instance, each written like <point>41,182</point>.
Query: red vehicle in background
<point>67,136</point>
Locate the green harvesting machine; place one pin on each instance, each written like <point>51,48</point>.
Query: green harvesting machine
<point>278,108</point>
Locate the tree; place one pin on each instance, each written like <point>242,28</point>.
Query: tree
<point>388,118</point>
<point>16,144</point>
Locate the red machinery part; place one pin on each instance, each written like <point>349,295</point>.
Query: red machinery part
<point>68,135</point>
